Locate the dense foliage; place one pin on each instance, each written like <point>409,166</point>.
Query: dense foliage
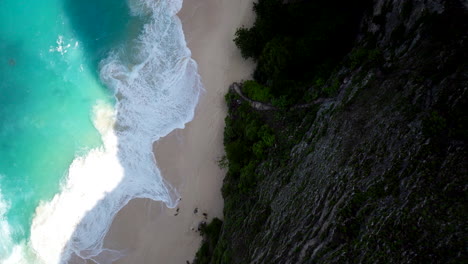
<point>375,172</point>
<point>210,233</point>
<point>297,43</point>
<point>246,140</point>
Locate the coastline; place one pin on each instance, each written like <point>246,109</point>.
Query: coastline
<point>147,231</point>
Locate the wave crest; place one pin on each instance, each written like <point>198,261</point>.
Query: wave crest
<point>156,86</point>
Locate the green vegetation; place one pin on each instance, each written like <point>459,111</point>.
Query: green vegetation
<point>295,44</point>
<point>256,91</point>
<point>374,175</point>
<point>246,139</point>
<point>332,89</point>
<point>361,56</point>
<point>210,233</point>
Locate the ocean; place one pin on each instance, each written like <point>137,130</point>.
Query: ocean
<point>85,88</point>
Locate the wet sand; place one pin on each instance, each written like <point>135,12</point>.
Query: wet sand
<point>147,231</point>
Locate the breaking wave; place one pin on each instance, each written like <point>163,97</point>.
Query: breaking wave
<point>156,86</point>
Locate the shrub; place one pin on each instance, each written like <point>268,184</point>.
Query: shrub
<point>296,43</point>
<point>281,102</point>
<point>275,58</point>
<point>258,149</point>
<point>246,39</point>
<point>210,235</point>
<point>256,91</point>
<point>266,135</point>
<point>363,56</point>
<point>332,89</point>
<point>248,177</point>
<point>358,57</point>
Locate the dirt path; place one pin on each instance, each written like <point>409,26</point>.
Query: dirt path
<point>266,107</point>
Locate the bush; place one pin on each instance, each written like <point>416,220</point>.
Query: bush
<point>332,90</point>
<point>363,56</point>
<point>266,135</point>
<point>212,230</point>
<point>247,177</point>
<point>275,58</point>
<point>256,91</point>
<point>358,57</point>
<point>246,140</point>
<point>296,43</point>
<point>258,149</point>
<point>210,235</point>
<point>281,102</point>
<point>246,40</point>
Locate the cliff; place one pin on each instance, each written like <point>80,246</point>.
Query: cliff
<point>377,172</point>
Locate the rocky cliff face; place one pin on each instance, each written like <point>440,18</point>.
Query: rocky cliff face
<point>377,173</point>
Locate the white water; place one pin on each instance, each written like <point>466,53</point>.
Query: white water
<point>5,232</point>
<point>157,88</point>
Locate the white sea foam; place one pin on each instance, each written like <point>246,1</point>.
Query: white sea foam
<point>10,253</point>
<point>157,88</point>
<point>61,47</point>
<point>5,232</point>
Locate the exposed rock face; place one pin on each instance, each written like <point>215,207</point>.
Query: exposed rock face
<point>379,173</point>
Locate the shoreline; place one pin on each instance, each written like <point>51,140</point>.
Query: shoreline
<point>147,231</point>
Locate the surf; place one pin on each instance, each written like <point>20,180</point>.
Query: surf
<point>155,88</point>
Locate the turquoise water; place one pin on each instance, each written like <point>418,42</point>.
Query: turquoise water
<point>74,151</point>
<point>49,82</point>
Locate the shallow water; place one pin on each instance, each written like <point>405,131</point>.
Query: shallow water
<point>71,154</point>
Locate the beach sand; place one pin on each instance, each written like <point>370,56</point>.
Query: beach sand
<point>147,231</point>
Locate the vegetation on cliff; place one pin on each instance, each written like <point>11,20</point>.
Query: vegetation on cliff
<point>374,174</point>
<point>296,45</point>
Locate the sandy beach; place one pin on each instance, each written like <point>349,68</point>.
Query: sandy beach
<point>147,231</point>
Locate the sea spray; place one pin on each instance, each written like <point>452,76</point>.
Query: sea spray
<point>157,86</point>
<point>5,232</point>
<point>11,253</point>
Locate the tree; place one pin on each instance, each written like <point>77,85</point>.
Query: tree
<point>246,40</point>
